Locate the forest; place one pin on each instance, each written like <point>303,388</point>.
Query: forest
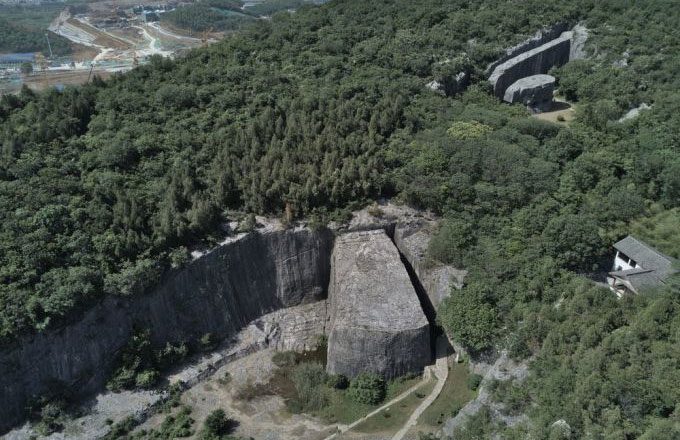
<point>18,38</point>
<point>269,7</point>
<point>106,186</point>
<point>208,15</point>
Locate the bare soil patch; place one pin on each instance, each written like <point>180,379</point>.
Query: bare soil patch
<point>561,112</point>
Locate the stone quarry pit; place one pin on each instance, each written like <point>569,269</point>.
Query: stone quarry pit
<point>364,281</point>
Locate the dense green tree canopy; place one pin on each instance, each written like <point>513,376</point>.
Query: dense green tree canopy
<point>16,38</point>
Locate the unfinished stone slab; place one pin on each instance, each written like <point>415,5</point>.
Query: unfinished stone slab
<point>376,321</point>
<point>536,61</point>
<point>536,92</point>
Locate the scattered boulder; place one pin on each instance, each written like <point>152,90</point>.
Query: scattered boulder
<point>536,92</point>
<point>376,322</point>
<point>634,112</point>
<point>436,87</point>
<point>450,86</point>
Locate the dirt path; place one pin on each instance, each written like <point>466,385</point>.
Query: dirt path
<point>441,371</point>
<point>402,396</point>
<point>157,27</point>
<point>154,47</point>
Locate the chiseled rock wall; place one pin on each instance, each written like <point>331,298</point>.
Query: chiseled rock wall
<point>412,239</point>
<point>532,62</point>
<point>218,293</point>
<point>536,92</point>
<point>376,321</point>
<point>541,36</point>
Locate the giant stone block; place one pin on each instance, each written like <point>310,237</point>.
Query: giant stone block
<point>376,321</point>
<point>539,60</point>
<point>536,92</point>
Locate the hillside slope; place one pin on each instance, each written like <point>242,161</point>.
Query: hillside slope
<point>106,186</point>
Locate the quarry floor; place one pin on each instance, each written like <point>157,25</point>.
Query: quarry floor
<point>263,417</point>
<point>266,417</point>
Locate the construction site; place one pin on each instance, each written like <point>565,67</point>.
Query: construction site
<point>106,37</point>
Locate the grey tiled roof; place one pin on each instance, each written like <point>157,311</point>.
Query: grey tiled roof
<point>645,255</point>
<point>653,266</point>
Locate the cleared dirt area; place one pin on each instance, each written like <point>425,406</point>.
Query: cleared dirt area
<point>561,112</point>
<point>68,78</point>
<point>101,38</point>
<point>239,388</point>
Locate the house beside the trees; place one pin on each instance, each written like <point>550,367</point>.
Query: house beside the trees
<point>638,267</point>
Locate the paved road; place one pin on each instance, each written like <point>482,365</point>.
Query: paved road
<point>441,371</point>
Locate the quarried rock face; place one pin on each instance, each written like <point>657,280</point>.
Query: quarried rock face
<point>541,36</point>
<point>219,293</point>
<point>376,321</point>
<point>536,92</point>
<point>538,60</point>
<point>412,239</point>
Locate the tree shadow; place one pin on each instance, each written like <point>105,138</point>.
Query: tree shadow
<point>558,106</point>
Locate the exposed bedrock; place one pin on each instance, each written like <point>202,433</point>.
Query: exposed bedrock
<point>219,293</point>
<point>376,321</point>
<point>536,92</point>
<point>538,60</point>
<point>541,36</point>
<point>412,239</point>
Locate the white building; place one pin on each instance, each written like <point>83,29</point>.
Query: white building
<point>638,266</point>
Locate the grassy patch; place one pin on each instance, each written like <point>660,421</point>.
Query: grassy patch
<point>392,418</point>
<point>343,409</point>
<point>338,406</point>
<point>453,397</point>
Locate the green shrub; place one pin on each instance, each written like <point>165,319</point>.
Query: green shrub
<point>367,388</point>
<point>473,381</point>
<point>337,381</point>
<point>208,342</point>
<point>321,342</point>
<point>284,359</point>
<point>175,426</point>
<point>172,354</point>
<point>121,428</point>
<point>52,418</point>
<point>137,364</point>
<point>217,425</point>
<point>225,380</point>
<point>308,378</point>
<point>248,224</point>
<point>146,379</point>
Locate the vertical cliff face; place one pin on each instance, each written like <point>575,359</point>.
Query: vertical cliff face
<point>538,60</point>
<point>412,240</point>
<point>218,293</point>
<point>376,321</point>
<point>541,37</point>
